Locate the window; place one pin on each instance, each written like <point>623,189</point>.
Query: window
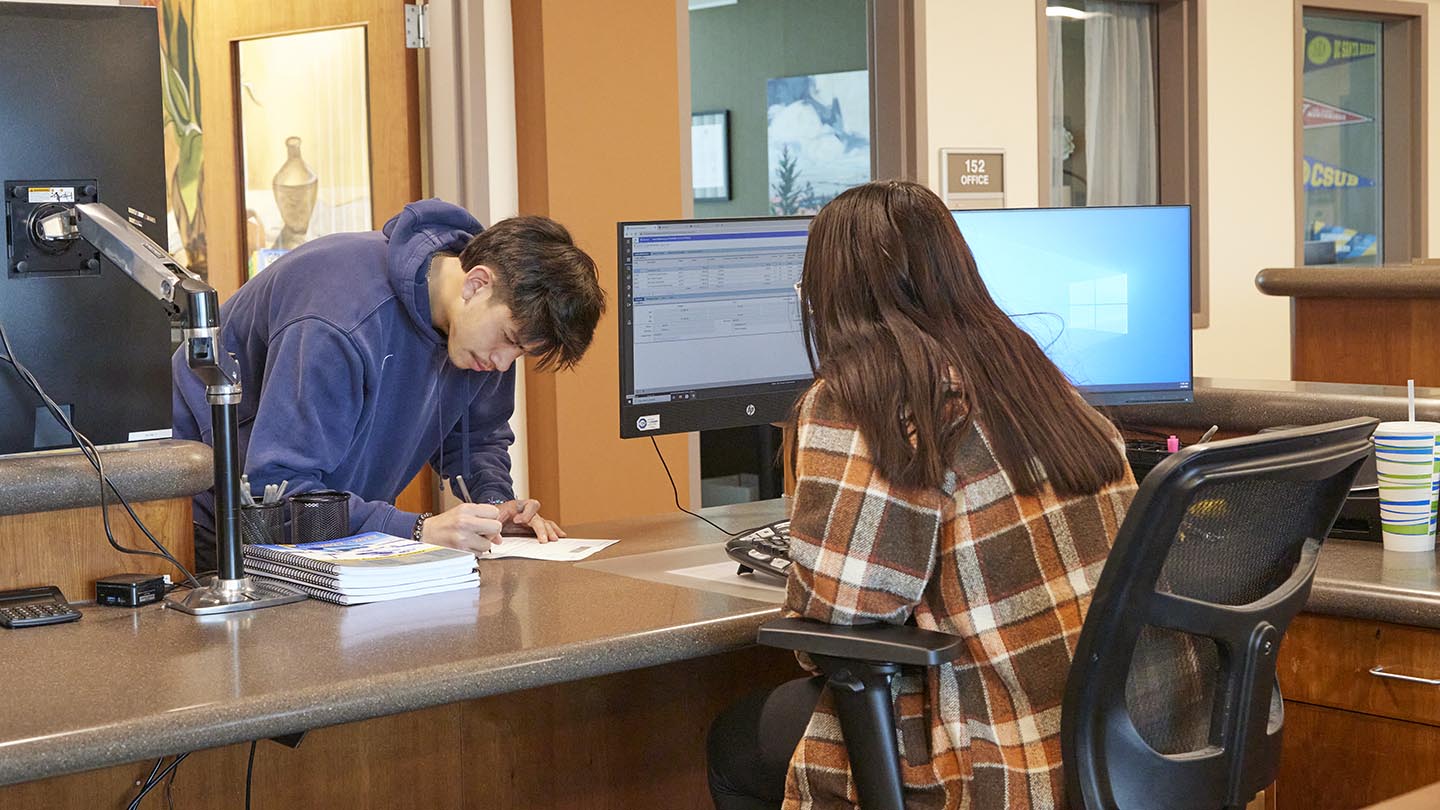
<point>1359,132</point>
<point>793,77</point>
<point>1104,127</point>
<point>1122,110</point>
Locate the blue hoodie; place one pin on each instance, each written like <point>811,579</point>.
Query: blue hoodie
<point>346,382</point>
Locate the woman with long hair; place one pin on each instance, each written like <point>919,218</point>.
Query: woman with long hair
<point>947,474</point>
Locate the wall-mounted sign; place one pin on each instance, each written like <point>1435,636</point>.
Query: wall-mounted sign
<point>972,178</point>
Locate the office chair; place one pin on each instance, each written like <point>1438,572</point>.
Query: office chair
<point>1212,562</point>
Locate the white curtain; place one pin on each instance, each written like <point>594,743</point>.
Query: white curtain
<point>1121,154</point>
<point>1059,194</point>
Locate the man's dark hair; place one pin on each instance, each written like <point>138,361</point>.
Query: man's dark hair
<point>550,285</point>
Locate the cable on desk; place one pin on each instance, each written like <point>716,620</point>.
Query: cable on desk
<point>92,454</point>
<point>170,789</point>
<point>249,773</point>
<point>676,490</point>
<point>155,778</point>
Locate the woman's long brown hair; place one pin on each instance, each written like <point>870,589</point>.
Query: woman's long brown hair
<point>901,324</point>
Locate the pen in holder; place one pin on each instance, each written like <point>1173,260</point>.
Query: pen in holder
<point>262,523</point>
<point>319,515</point>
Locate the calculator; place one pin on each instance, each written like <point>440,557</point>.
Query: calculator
<point>29,607</point>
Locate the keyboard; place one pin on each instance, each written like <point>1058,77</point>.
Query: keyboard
<point>764,551</point>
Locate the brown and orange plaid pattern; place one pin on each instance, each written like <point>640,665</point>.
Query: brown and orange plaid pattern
<point>1011,574</point>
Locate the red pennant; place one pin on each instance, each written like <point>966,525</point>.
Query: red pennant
<point>1318,114</point>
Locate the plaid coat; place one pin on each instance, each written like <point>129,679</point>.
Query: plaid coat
<point>1011,574</point>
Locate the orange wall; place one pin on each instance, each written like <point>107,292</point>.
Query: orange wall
<point>598,99</point>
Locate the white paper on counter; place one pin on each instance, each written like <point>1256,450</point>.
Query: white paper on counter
<point>566,549</point>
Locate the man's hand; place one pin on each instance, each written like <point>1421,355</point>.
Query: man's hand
<point>525,516</point>
<point>469,527</point>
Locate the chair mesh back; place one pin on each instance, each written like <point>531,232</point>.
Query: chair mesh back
<point>1238,542</point>
<point>1170,691</point>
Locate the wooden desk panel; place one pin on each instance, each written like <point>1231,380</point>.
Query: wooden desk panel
<point>1339,760</point>
<point>1383,341</point>
<point>67,547</point>
<point>1326,661</point>
<point>1351,738</point>
<point>633,739</point>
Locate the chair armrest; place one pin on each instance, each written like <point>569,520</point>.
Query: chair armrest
<point>885,643</point>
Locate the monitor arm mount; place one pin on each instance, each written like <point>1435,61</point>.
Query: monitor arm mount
<point>186,298</point>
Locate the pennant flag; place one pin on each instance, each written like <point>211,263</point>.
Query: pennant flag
<point>1318,174</point>
<point>1324,50</point>
<point>1318,114</point>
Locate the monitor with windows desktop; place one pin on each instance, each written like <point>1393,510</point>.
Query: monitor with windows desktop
<point>710,332</point>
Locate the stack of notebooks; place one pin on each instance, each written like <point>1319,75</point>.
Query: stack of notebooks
<point>370,567</point>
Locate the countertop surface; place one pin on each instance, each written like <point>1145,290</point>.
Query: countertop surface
<point>1343,281</point>
<point>143,471</point>
<point>125,685</point>
<point>1361,580</point>
<point>1246,406</point>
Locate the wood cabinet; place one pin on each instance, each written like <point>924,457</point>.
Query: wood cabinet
<point>1353,738</point>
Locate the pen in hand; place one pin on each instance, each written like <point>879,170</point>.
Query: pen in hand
<point>465,495</point>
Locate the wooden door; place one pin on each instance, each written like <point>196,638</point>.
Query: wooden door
<point>216,28</point>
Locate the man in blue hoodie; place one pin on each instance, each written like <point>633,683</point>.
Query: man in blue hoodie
<point>365,356</point>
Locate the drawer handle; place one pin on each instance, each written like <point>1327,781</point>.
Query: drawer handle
<point>1380,672</point>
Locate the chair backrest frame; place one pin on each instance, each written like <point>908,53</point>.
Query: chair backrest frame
<point>1108,764</point>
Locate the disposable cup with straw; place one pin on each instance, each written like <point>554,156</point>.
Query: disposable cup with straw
<point>1406,466</point>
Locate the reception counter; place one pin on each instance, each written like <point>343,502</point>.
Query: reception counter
<point>51,528</point>
<point>1350,324</point>
<point>125,685</point>
<point>129,685</point>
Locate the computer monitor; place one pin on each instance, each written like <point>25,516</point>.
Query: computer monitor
<point>710,323</point>
<point>710,332</point>
<point>1104,290</point>
<point>80,119</point>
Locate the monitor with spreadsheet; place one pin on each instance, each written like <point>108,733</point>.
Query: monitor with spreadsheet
<point>710,323</point>
<point>710,332</point>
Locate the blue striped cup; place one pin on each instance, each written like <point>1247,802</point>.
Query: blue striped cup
<point>1408,469</point>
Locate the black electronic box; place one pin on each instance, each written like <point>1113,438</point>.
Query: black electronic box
<point>129,590</point>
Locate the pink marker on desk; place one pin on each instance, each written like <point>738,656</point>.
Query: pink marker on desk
<point>1172,444</point>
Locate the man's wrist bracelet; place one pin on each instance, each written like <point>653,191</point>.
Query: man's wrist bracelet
<point>420,525</point>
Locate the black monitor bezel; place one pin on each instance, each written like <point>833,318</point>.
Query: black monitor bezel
<point>755,406</point>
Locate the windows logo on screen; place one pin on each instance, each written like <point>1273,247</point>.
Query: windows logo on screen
<point>1101,305</point>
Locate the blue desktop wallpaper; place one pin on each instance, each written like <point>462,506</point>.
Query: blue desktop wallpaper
<point>1105,291</point>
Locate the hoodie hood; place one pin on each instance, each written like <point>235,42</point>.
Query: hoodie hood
<point>418,232</point>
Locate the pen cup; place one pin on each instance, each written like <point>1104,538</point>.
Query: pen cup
<point>1405,465</point>
<point>262,523</point>
<point>318,516</point>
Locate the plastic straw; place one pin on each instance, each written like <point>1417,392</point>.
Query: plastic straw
<point>1410,386</point>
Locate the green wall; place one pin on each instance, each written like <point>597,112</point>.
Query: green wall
<point>734,49</point>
